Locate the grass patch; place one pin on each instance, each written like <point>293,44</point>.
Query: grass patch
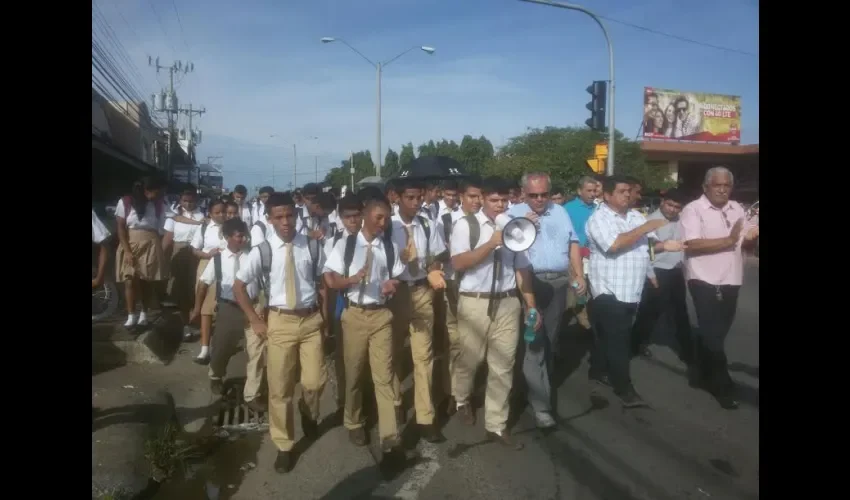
<point>167,453</point>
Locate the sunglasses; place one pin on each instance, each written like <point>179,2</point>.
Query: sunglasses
<point>535,196</point>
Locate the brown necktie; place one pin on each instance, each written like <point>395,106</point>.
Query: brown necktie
<point>289,276</point>
<point>413,260</point>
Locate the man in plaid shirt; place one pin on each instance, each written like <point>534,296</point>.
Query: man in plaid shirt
<point>619,259</point>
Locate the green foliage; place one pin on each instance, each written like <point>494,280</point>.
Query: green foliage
<point>561,152</point>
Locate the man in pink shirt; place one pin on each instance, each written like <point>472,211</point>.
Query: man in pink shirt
<point>715,230</point>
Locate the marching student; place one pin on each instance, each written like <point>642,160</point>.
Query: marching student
<point>100,237</point>
<point>350,216</point>
<point>231,210</point>
<point>470,204</point>
<point>177,244</point>
<point>489,310</point>
<point>293,333</point>
<point>230,323</point>
<point>240,195</point>
<point>206,244</point>
<point>364,266</point>
<point>258,210</point>
<point>413,303</point>
<point>139,259</point>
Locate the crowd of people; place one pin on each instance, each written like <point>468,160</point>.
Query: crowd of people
<point>419,271</point>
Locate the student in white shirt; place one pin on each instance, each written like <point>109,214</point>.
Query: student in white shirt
<point>231,210</point>
<point>446,313</point>
<point>367,280</point>
<point>206,244</point>
<point>489,309</point>
<point>230,322</point>
<point>294,326</point>
<point>258,210</point>
<point>177,244</point>
<point>239,195</point>
<point>422,249</point>
<point>139,259</point>
<point>100,237</point>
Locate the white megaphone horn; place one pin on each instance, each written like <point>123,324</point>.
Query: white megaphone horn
<point>518,233</point>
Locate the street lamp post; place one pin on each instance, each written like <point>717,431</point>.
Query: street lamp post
<point>611,129</point>
<point>379,68</point>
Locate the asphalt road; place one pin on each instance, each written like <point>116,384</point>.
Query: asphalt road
<point>683,447</point>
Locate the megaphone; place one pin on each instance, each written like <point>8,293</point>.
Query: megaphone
<point>518,233</point>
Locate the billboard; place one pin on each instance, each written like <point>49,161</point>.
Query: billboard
<point>691,116</point>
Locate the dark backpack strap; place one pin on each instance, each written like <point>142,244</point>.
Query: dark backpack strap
<point>217,269</point>
<point>447,226</point>
<point>203,233</point>
<point>314,248</point>
<point>266,265</point>
<point>426,226</point>
<point>337,236</point>
<point>389,253</point>
<point>348,256</point>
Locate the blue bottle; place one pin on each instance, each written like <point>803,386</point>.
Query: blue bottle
<point>530,334</point>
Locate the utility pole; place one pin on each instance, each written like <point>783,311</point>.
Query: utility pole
<point>273,179</point>
<point>294,166</point>
<point>351,164</point>
<point>192,136</point>
<point>166,102</point>
<point>317,169</point>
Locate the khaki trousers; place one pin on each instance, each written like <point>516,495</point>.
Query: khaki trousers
<point>230,326</point>
<point>496,341</point>
<point>368,335</point>
<point>451,300</point>
<point>293,341</point>
<point>413,314</point>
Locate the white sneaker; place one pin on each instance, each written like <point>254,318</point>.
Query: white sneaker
<point>544,420</point>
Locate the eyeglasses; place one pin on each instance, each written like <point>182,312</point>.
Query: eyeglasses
<point>535,196</point>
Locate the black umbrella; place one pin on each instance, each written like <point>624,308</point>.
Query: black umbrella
<point>433,168</point>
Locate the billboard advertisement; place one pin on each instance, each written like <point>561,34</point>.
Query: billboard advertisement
<point>691,116</point>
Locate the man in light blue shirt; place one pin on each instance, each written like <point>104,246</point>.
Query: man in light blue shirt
<point>582,206</point>
<point>555,250</point>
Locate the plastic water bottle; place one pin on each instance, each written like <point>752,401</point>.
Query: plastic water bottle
<point>530,334</point>
<point>579,300</point>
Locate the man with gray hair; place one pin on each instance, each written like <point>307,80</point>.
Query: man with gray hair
<point>554,251</point>
<point>715,229</point>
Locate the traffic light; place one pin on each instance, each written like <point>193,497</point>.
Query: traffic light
<point>597,105</point>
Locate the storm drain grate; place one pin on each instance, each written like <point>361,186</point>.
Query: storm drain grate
<point>237,416</point>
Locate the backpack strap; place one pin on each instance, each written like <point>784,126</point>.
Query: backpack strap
<point>314,248</point>
<point>447,226</point>
<point>474,235</point>
<point>217,269</point>
<point>337,236</point>
<point>262,227</point>
<point>426,226</point>
<point>389,252</point>
<point>348,256</point>
<point>266,265</point>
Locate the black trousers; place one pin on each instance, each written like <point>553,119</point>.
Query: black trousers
<point>611,321</point>
<point>715,307</point>
<point>670,297</point>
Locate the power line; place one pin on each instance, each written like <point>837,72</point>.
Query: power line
<point>680,38</point>
<point>180,24</point>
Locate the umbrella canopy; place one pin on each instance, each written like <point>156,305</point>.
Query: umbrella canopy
<point>372,180</point>
<point>433,168</point>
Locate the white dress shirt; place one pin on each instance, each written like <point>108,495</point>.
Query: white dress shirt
<point>479,278</point>
<point>229,274</point>
<point>98,231</point>
<point>379,272</point>
<point>211,238</point>
<point>305,283</point>
<point>184,233</point>
<point>435,244</point>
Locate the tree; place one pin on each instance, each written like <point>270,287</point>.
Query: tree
<point>474,154</point>
<point>562,153</point>
<point>391,165</point>
<point>341,175</point>
<point>407,155</point>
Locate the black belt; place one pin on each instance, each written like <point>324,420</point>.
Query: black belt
<point>417,283</point>
<point>549,275</point>
<point>234,303</point>
<point>302,312</point>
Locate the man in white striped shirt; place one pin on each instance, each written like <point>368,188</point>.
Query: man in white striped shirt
<point>619,259</point>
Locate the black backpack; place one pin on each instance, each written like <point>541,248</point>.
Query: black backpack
<point>265,249</point>
<point>426,226</point>
<point>350,244</point>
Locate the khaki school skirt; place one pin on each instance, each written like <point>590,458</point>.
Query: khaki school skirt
<point>210,299</point>
<point>181,284</point>
<point>147,249</point>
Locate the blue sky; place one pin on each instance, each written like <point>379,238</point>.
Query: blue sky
<point>500,66</point>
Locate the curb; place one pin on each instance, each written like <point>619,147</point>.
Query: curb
<point>158,344</point>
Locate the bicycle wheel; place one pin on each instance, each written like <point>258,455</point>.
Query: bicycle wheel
<point>104,300</point>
